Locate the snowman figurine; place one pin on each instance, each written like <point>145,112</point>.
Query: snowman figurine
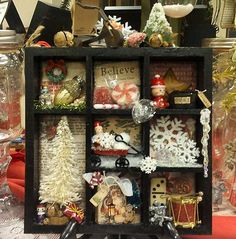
<point>158,90</point>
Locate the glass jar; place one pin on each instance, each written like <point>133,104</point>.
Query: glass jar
<point>10,115</point>
<point>10,81</point>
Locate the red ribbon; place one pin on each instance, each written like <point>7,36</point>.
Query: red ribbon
<point>56,64</point>
<point>73,211</point>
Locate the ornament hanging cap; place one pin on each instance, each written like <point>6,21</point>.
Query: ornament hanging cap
<point>157,81</point>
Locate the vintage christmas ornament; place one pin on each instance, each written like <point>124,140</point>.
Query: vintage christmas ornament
<point>70,91</point>
<point>64,39</point>
<point>143,110</point>
<point>45,97</point>
<point>158,88</point>
<point>156,40</point>
<point>184,209</point>
<point>135,39</point>
<point>125,93</point>
<point>56,70</point>
<point>96,179</point>
<point>157,28</point>
<point>73,211</point>
<point>205,121</point>
<point>148,165</point>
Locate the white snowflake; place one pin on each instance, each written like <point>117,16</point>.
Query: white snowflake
<point>172,144</point>
<point>148,165</point>
<point>165,131</point>
<point>187,152</point>
<point>126,29</point>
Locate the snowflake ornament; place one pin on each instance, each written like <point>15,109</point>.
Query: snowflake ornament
<point>172,144</point>
<point>148,165</point>
<point>165,131</point>
<point>187,152</point>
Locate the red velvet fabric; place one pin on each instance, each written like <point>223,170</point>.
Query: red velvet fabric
<point>16,174</point>
<point>224,227</point>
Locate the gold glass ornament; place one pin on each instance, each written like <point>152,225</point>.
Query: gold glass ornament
<point>70,91</point>
<point>64,39</point>
<point>156,40</point>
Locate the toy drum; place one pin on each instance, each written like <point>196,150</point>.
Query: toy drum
<point>184,210</point>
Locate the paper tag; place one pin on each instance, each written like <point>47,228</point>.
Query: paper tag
<point>204,99</point>
<point>99,196</point>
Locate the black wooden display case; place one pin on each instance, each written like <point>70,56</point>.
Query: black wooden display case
<point>33,62</point>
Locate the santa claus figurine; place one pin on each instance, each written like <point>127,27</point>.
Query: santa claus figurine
<point>158,92</point>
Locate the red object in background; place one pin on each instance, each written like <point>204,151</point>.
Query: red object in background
<point>43,44</point>
<point>232,198</point>
<point>16,174</point>
<point>223,228</point>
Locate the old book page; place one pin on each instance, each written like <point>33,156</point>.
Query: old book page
<point>228,15</point>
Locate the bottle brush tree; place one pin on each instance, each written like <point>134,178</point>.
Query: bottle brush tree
<point>60,184</point>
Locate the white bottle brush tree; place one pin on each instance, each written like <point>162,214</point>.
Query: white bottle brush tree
<point>60,185</point>
<point>158,24</point>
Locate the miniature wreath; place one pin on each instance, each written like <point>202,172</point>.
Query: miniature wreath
<point>56,70</point>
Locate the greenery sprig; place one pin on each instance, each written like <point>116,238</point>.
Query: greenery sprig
<point>80,107</point>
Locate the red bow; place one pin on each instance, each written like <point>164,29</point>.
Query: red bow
<point>73,211</point>
<point>56,64</point>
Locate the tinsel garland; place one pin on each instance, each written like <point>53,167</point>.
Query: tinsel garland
<point>80,107</point>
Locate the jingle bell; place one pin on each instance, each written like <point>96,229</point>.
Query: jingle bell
<point>64,39</point>
<point>156,40</point>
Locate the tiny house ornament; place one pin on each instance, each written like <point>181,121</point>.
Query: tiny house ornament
<point>158,92</point>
